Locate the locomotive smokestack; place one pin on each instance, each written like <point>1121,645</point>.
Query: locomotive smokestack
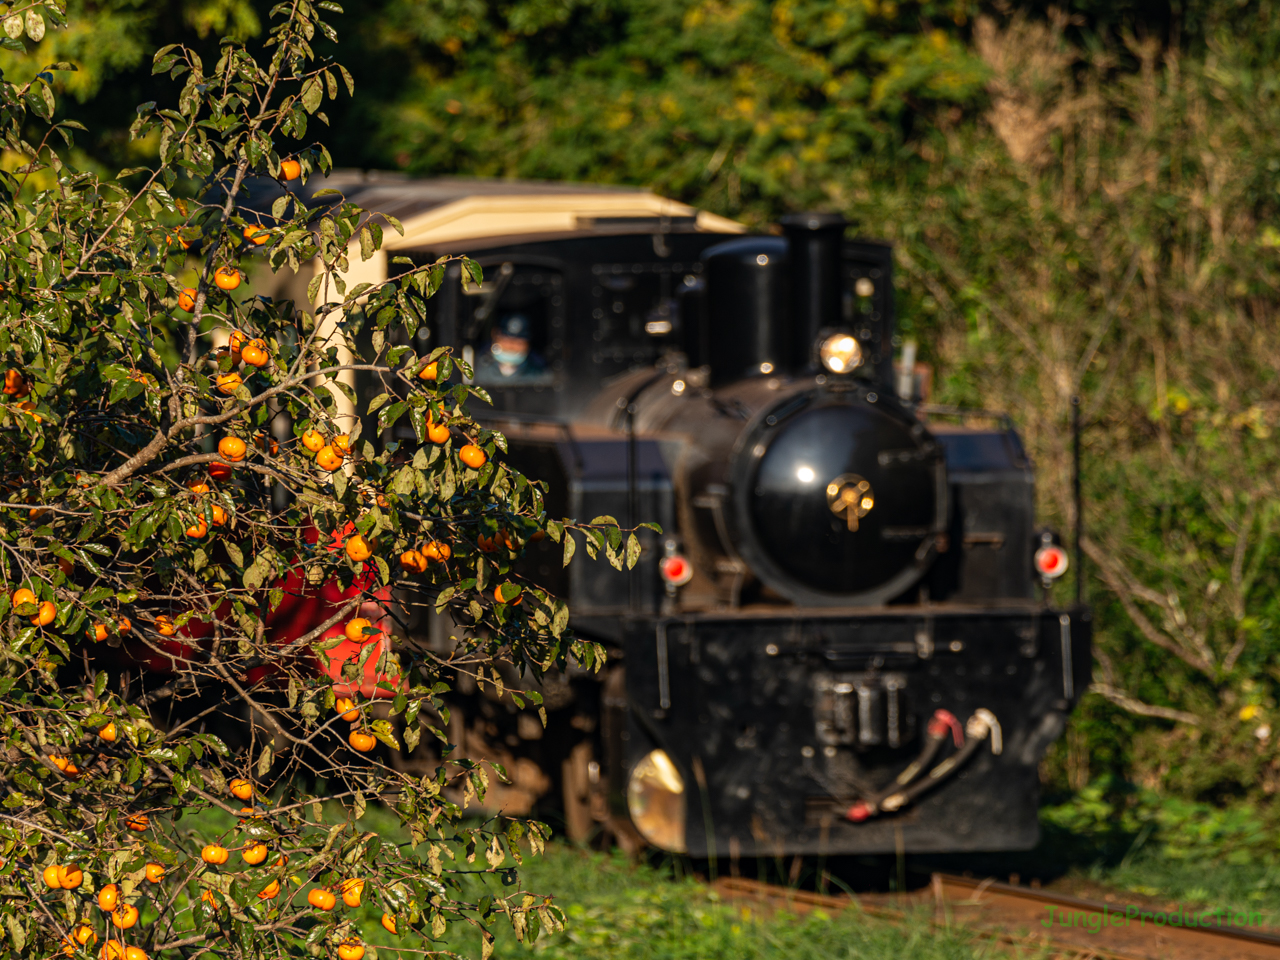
<point>815,241</point>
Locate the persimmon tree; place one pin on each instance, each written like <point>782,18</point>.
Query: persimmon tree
<point>179,488</point>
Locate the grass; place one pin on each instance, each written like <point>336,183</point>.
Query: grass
<point>1169,849</point>
<point>633,911</point>
<point>1252,886</point>
<point>1149,875</point>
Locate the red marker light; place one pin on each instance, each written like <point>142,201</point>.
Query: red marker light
<point>675,570</point>
<point>1051,562</point>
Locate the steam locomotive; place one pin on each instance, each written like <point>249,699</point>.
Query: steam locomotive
<point>841,641</point>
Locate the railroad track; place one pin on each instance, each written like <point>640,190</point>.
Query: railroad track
<point>1020,916</point>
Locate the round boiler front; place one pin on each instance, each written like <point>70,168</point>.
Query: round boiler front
<point>838,498</point>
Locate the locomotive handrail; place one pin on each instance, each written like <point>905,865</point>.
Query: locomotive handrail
<point>945,410</point>
<point>471,330</point>
<point>563,425</point>
<point>633,480</point>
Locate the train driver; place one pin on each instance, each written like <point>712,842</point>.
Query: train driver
<point>510,358</point>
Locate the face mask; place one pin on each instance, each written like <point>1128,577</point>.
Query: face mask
<point>512,358</point>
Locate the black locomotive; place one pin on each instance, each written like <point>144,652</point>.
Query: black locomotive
<point>840,642</point>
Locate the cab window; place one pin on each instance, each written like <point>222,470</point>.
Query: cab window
<point>640,311</point>
<point>512,326</point>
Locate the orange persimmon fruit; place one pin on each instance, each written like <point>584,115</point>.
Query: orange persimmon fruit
<point>232,448</point>
<point>321,899</point>
<point>363,742</point>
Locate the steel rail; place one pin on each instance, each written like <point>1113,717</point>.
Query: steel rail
<point>1020,916</point>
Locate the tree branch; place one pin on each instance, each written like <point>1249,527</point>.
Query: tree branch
<point>1115,581</point>
<point>1126,702</point>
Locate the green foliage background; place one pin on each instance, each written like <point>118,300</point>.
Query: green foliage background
<point>1083,201</point>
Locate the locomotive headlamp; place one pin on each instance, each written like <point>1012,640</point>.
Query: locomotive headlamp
<point>655,799</point>
<point>840,353</point>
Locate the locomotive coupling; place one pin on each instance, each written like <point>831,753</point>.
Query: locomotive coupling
<point>941,722</point>
<point>983,722</point>
<point>980,726</point>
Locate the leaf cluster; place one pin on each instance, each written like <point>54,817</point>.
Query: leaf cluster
<point>191,521</point>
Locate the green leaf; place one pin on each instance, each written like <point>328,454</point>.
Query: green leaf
<point>35,30</point>
<point>312,94</point>
<point>561,619</point>
<point>257,573</point>
<point>383,731</point>
<point>442,600</point>
<point>16,932</point>
<point>97,595</point>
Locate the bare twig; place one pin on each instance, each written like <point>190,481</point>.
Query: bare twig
<point>1122,699</point>
<point>1125,592</point>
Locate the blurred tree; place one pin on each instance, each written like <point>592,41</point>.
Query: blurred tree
<point>732,104</point>
<point>106,38</point>
<point>110,42</point>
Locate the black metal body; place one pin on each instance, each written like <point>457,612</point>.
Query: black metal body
<point>798,669</point>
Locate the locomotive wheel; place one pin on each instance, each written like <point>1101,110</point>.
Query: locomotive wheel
<point>547,769</point>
